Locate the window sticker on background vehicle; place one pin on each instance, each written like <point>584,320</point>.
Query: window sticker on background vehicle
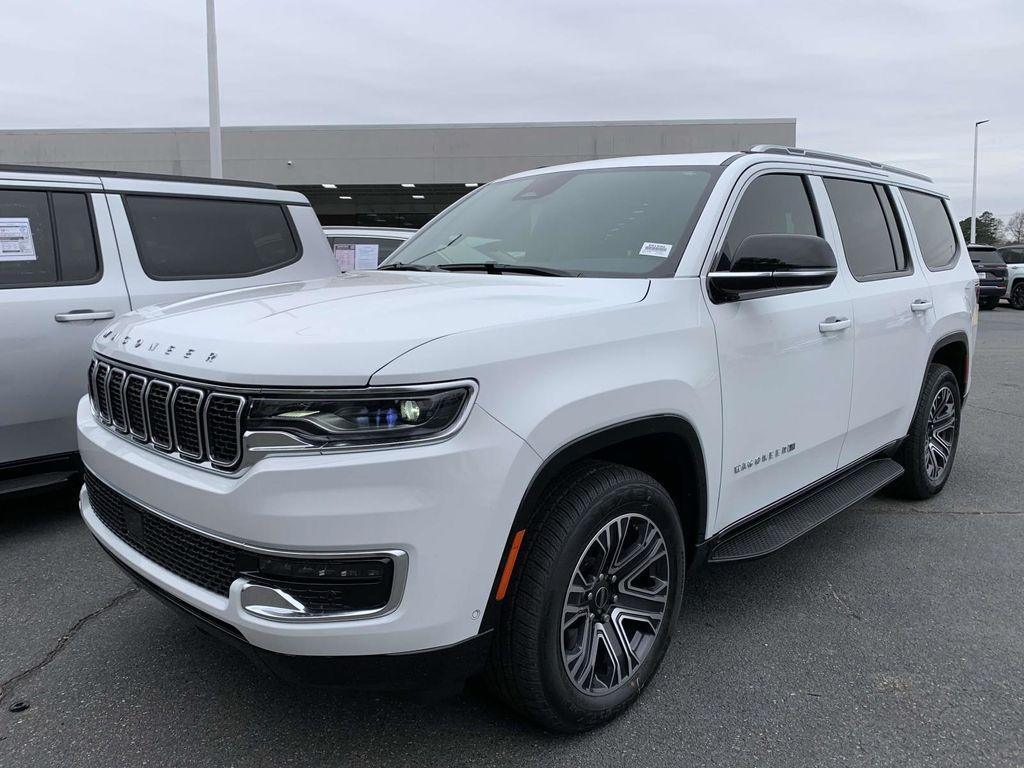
<point>345,255</point>
<point>661,250</point>
<point>16,242</point>
<point>367,255</point>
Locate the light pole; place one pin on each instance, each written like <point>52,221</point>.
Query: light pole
<point>974,186</point>
<point>216,161</point>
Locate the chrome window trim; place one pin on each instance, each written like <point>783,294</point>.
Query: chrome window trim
<point>199,424</point>
<point>241,401</point>
<point>162,448</point>
<point>398,557</point>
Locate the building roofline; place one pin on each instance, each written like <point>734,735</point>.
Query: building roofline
<point>415,126</point>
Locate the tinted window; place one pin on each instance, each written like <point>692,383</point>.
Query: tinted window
<point>75,239</point>
<point>610,221</point>
<point>777,204</point>
<point>867,227</point>
<point>1013,255</point>
<point>26,239</point>
<point>181,238</point>
<point>371,249</point>
<point>933,228</point>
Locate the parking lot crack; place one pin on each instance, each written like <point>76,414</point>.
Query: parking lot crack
<point>10,683</point>
<point>845,606</point>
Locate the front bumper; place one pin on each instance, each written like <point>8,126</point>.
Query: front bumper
<point>447,506</point>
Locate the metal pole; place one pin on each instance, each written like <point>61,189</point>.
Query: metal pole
<point>974,186</point>
<point>216,160</point>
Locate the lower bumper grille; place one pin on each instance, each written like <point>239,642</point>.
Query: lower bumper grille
<point>323,585</point>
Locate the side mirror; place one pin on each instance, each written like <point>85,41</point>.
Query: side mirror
<point>769,265</point>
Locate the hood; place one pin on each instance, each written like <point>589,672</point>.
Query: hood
<point>339,331</point>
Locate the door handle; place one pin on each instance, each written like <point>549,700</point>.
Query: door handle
<point>832,324</point>
<point>84,315</point>
<point>921,305</point>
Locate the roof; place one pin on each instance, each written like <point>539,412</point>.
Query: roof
<point>341,229</point>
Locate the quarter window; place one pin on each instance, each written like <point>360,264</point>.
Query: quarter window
<point>46,238</point>
<point>187,238</point>
<point>933,228</point>
<point>871,237</point>
<point>776,204</point>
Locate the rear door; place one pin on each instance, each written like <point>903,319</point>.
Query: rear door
<point>175,246</point>
<point>60,283</point>
<point>786,361</point>
<point>892,310</point>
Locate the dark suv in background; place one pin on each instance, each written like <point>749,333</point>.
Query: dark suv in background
<point>991,269</point>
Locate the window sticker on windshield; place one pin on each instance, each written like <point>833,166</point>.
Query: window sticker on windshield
<point>16,242</point>
<point>661,250</point>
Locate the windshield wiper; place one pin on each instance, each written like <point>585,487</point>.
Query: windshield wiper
<point>410,266</point>
<point>497,268</point>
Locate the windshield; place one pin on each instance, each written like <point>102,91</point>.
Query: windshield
<point>615,222</point>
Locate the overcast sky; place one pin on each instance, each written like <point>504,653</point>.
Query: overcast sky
<point>901,82</point>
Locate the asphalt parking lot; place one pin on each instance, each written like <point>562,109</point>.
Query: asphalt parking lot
<point>893,635</point>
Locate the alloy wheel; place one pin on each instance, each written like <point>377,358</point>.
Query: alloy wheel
<point>1017,296</point>
<point>941,436</point>
<point>615,604</point>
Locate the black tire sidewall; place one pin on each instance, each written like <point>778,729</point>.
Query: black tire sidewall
<point>938,376</point>
<point>563,695</point>
<point>1017,295</point>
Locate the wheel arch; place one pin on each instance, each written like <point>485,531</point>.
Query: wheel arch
<point>666,446</point>
<point>953,351</point>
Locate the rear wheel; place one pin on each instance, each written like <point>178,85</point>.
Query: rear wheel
<point>988,303</point>
<point>593,599</point>
<point>927,453</point>
<point>1017,295</point>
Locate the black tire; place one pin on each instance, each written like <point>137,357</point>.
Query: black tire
<point>919,480</point>
<point>988,303</point>
<point>528,667</point>
<point>1017,295</point>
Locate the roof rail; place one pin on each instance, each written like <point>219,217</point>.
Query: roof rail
<point>52,169</point>
<point>778,149</point>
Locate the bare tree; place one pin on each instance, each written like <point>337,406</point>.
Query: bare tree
<point>1015,228</point>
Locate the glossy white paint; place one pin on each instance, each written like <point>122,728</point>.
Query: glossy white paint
<point>555,359</point>
<point>41,378</point>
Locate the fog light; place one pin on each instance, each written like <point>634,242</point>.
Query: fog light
<point>334,571</point>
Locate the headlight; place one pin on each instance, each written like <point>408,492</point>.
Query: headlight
<point>361,418</point>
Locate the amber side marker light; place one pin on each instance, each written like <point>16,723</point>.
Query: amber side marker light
<point>510,564</point>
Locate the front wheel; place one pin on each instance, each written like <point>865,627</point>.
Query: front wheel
<point>928,451</point>
<point>1017,295</point>
<point>593,600</point>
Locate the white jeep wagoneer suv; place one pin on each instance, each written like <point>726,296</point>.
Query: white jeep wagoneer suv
<point>504,449</point>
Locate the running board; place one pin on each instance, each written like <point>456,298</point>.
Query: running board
<point>34,482</point>
<point>796,518</point>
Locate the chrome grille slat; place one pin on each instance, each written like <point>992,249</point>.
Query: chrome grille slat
<point>135,406</point>
<point>102,400</point>
<point>115,398</point>
<point>188,421</point>
<point>186,407</point>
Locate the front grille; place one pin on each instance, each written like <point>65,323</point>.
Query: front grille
<point>213,565</point>
<point>191,420</point>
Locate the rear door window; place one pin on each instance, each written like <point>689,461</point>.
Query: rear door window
<point>933,227</point>
<point>46,238</point>
<point>871,236</point>
<point>189,238</point>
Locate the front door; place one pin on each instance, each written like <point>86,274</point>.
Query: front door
<point>55,296</point>
<point>786,363</point>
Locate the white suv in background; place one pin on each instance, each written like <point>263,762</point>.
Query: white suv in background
<point>505,447</point>
<point>78,248</point>
<point>364,247</point>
